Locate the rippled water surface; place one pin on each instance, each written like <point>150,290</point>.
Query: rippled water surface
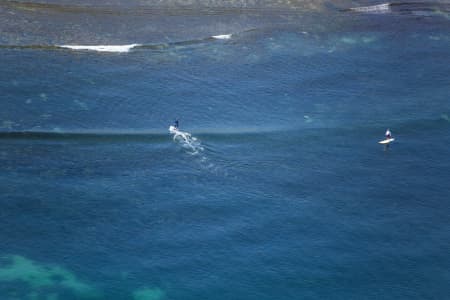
<point>276,186</point>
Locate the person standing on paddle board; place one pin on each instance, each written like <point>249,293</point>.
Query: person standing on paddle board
<point>388,134</point>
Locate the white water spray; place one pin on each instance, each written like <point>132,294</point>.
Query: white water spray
<point>378,8</point>
<point>194,147</point>
<point>102,48</point>
<point>186,140</point>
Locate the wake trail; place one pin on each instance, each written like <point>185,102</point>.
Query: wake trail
<point>187,141</point>
<point>194,147</point>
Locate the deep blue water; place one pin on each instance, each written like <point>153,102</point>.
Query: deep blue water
<point>285,194</point>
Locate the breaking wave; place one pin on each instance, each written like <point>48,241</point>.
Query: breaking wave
<point>189,142</point>
<point>423,9</point>
<point>88,136</point>
<point>120,48</point>
<point>137,136</point>
<point>379,8</point>
<point>222,37</point>
<point>102,48</point>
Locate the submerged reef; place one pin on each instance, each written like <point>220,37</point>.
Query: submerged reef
<point>148,294</point>
<point>26,279</point>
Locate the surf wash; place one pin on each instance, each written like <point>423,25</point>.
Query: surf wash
<point>186,140</point>
<point>102,48</point>
<point>379,8</point>
<point>222,37</point>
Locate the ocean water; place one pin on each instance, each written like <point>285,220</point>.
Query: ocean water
<point>276,188</point>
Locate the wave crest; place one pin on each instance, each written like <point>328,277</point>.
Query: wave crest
<point>120,48</point>
<point>379,8</point>
<point>419,8</point>
<point>102,48</point>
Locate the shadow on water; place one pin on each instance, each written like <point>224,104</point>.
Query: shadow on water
<point>218,135</point>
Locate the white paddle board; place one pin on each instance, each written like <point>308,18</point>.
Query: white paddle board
<point>386,141</point>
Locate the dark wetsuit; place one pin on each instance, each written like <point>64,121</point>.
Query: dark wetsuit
<point>388,134</point>
<point>175,124</point>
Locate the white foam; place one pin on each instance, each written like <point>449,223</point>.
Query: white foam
<point>186,140</point>
<point>222,37</point>
<point>194,147</point>
<point>379,8</point>
<point>102,48</point>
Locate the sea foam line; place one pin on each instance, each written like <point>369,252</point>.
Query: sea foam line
<point>102,48</point>
<point>373,8</point>
<point>120,48</point>
<point>222,36</point>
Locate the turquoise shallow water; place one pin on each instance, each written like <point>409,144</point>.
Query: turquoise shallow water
<point>282,191</point>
